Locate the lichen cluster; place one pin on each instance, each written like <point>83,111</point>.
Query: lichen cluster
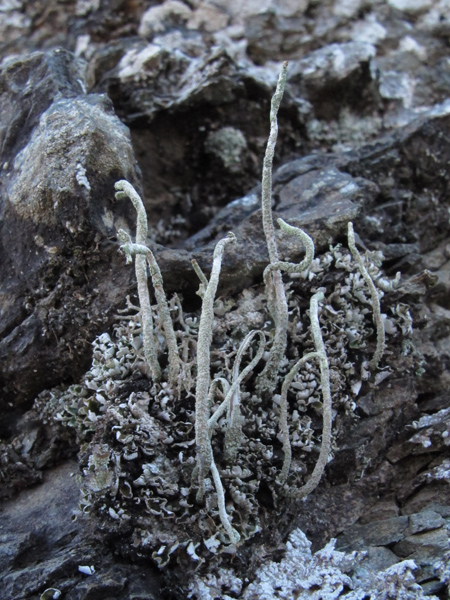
<point>137,438</point>
<point>326,575</point>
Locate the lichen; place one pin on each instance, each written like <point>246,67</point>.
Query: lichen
<point>227,144</point>
<point>137,438</point>
<point>326,575</point>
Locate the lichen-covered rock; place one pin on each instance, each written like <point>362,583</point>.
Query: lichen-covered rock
<point>45,547</point>
<point>326,575</point>
<point>137,443</point>
<point>331,66</point>
<point>227,144</point>
<point>381,109</point>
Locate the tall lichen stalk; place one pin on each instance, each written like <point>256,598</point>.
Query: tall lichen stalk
<point>276,294</point>
<point>202,407</point>
<point>126,190</point>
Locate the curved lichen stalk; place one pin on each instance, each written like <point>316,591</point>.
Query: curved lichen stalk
<point>288,267</point>
<point>233,534</point>
<point>212,390</point>
<point>130,249</point>
<point>378,321</point>
<point>325,448</point>
<point>202,409</point>
<point>283,423</point>
<point>126,190</point>
<point>291,267</point>
<point>225,405</point>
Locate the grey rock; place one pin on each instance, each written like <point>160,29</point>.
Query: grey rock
<point>425,521</point>
<point>321,201</point>
<point>330,66</point>
<point>312,189</point>
<point>62,151</point>
<point>37,528</point>
<point>379,558</point>
<point>440,509</point>
<point>425,545</point>
<point>426,549</point>
<point>381,511</point>
<point>42,547</point>
<point>377,533</point>
<point>422,498</point>
<point>209,66</point>
<point>194,77</point>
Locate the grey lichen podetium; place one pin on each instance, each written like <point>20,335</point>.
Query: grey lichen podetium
<point>126,190</point>
<point>130,249</point>
<point>274,285</point>
<point>201,276</point>
<point>288,267</point>
<point>327,409</point>
<point>283,423</point>
<point>230,396</point>
<point>144,255</point>
<point>224,519</point>
<point>233,435</point>
<point>378,321</point>
<point>202,408</point>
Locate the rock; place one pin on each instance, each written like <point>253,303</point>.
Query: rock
<point>425,521</point>
<point>319,200</point>
<point>14,22</point>
<point>160,18</point>
<point>425,549</point>
<point>331,66</point>
<point>379,558</point>
<point>62,151</point>
<point>377,533</point>
<point>427,497</point>
<point>195,76</point>
<point>317,178</point>
<point>40,519</point>
<point>412,7</point>
<point>42,547</point>
<point>381,511</point>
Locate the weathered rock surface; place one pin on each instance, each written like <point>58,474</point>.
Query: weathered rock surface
<point>42,547</point>
<point>190,71</point>
<point>62,151</point>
